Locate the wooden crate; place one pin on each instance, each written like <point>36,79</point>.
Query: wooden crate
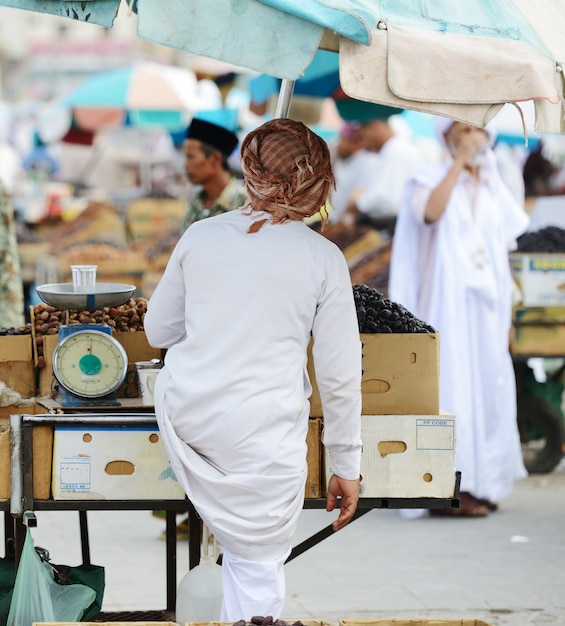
<point>17,370</point>
<point>538,331</point>
<point>42,453</point>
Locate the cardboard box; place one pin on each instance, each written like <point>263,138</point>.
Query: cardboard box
<point>137,349</point>
<point>406,456</point>
<point>17,370</point>
<point>149,216</point>
<point>538,331</point>
<point>413,622</point>
<point>42,441</point>
<point>540,277</point>
<point>112,463</point>
<point>313,488</point>
<point>400,375</point>
<point>104,623</point>
<point>306,622</point>
<point>13,409</point>
<point>45,378</point>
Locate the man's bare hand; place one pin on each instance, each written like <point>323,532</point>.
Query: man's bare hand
<point>348,490</point>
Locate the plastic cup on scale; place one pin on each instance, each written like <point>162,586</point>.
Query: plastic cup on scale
<point>84,278</point>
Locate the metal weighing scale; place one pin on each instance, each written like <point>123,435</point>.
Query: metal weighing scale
<point>89,364</point>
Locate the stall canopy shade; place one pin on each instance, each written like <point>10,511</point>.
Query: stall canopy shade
<point>321,80</point>
<point>459,59</point>
<point>150,94</point>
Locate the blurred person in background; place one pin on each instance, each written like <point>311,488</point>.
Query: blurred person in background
<point>40,162</point>
<point>206,149</point>
<point>399,157</point>
<point>539,173</point>
<point>354,170</point>
<point>450,267</point>
<point>10,158</point>
<point>11,282</point>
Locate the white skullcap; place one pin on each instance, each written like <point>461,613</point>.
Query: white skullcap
<point>443,124</point>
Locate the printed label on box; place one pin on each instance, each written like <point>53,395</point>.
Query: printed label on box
<point>435,434</point>
<point>540,277</point>
<point>547,265</point>
<point>75,474</point>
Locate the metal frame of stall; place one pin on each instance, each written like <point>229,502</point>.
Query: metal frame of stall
<point>23,505</point>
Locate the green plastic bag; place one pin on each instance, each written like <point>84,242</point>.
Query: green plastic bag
<point>37,597</point>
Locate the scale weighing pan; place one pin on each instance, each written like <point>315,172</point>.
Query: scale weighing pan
<point>62,295</point>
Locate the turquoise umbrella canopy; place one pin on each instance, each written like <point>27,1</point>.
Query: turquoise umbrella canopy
<point>464,60</point>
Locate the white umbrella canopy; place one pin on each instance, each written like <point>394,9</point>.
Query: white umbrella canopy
<point>459,59</point>
<point>464,60</point>
<point>151,94</point>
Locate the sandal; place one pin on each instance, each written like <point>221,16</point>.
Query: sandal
<point>470,507</point>
<point>491,506</point>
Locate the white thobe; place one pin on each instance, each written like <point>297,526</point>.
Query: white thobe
<point>353,178</point>
<point>455,275</point>
<point>236,312</point>
<point>399,158</point>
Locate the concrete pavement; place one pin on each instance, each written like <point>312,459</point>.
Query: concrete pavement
<point>507,569</point>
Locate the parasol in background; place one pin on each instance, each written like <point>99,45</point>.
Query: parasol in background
<point>462,60</point>
<point>143,94</point>
<point>146,98</point>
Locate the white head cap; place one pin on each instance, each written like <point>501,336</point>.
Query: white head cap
<point>443,124</point>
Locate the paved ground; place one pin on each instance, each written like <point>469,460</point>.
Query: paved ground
<point>507,569</point>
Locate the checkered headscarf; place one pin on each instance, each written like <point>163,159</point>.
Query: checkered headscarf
<point>287,171</point>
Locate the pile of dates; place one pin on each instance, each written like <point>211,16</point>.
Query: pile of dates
<point>549,239</point>
<point>260,620</point>
<point>18,330</point>
<point>125,318</point>
<point>377,314</point>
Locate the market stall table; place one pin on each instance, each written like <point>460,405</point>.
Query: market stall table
<point>23,505</point>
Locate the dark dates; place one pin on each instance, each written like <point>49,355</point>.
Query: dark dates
<point>377,314</point>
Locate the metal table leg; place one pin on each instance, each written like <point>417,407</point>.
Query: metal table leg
<point>171,559</point>
<point>84,539</point>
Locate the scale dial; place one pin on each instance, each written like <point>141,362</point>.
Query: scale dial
<point>90,363</point>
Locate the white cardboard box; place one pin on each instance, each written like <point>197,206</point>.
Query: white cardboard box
<point>112,463</point>
<point>541,278</point>
<point>406,456</point>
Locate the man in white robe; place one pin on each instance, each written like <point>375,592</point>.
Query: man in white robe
<point>354,169</point>
<point>240,299</point>
<point>450,267</point>
<point>398,159</point>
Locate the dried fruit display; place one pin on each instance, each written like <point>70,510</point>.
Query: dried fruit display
<point>18,330</point>
<point>549,239</point>
<point>377,314</point>
<point>157,249</point>
<point>127,318</point>
<point>98,222</point>
<point>343,236</point>
<point>260,620</point>
<point>373,268</point>
<point>98,253</point>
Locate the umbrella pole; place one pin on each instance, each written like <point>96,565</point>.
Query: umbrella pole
<point>285,96</point>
